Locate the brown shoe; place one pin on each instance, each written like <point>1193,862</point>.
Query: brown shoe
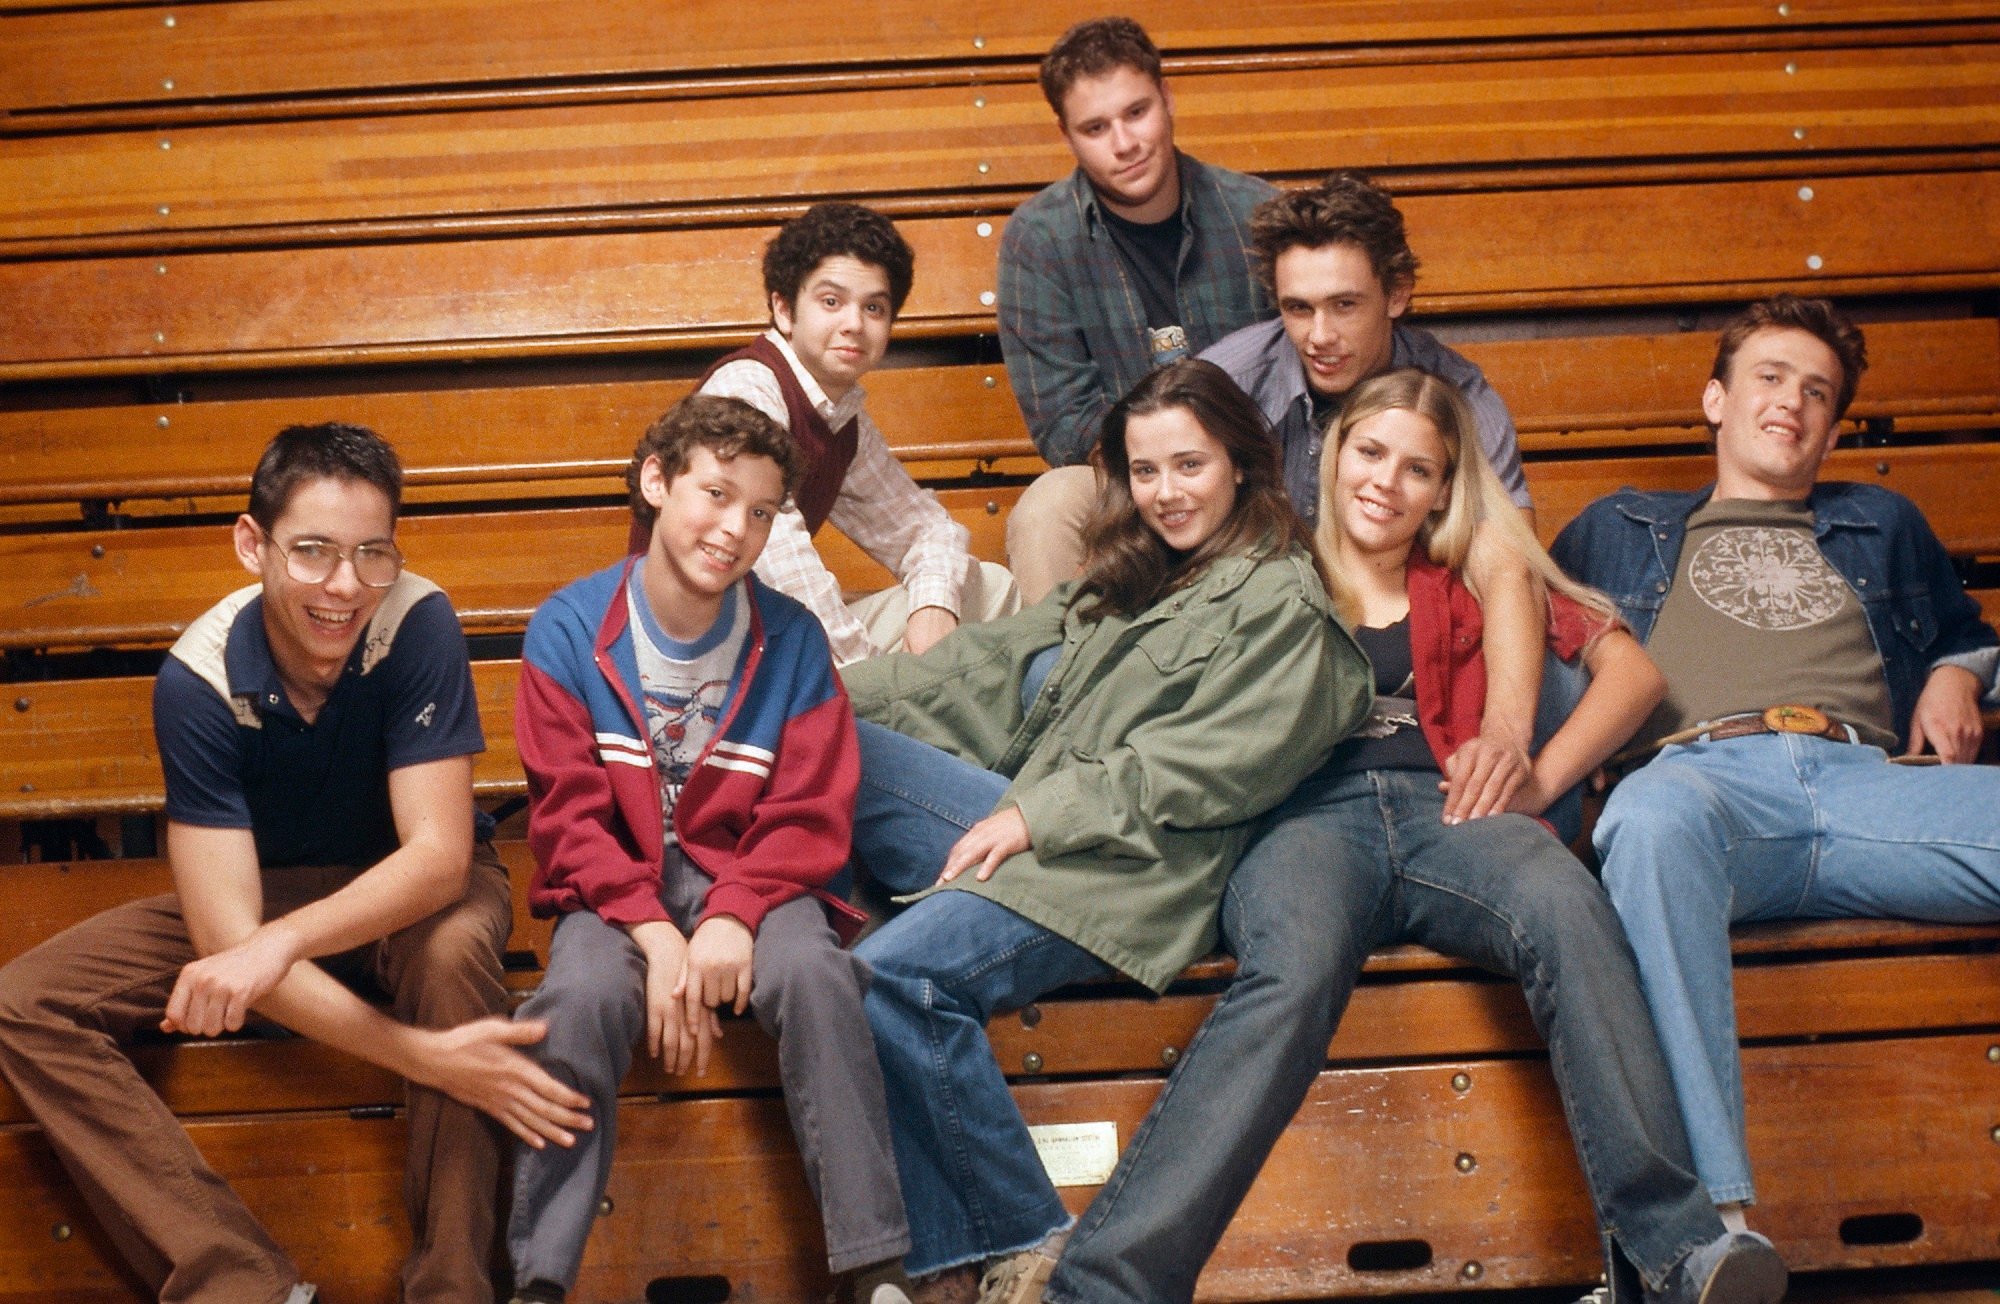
<point>1019,1278</point>
<point>952,1286</point>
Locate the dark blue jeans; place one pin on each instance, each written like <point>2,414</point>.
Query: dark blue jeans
<point>1352,862</point>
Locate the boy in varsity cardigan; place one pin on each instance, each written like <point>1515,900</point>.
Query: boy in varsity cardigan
<point>691,768</point>
<point>835,277</point>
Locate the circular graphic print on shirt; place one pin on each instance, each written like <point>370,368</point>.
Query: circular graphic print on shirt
<point>1766,579</point>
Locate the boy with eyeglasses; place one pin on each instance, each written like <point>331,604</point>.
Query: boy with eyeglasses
<point>692,767</point>
<point>317,730</point>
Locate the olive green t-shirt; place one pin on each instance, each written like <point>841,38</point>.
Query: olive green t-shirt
<point>1757,618</point>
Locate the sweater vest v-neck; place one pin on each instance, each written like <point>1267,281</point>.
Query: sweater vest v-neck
<point>828,452</point>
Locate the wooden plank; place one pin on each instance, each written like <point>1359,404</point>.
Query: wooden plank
<point>1588,391</point>
<point>1614,112</point>
<point>85,746</point>
<point>142,586</point>
<point>618,292</point>
<point>1950,482</point>
<point>712,1186</point>
<point>1565,392</point>
<point>555,439</point>
<point>252,49</point>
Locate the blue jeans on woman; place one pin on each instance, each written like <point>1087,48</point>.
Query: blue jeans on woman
<point>972,1181</point>
<point>1351,862</point>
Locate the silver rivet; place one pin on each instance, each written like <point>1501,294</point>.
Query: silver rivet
<point>61,1231</point>
<point>1994,1135</point>
<point>1031,1015</point>
<point>164,210</point>
<point>1461,1082</point>
<point>1465,1163</point>
<point>272,699</point>
<point>1881,468</point>
<point>992,508</point>
<point>604,1207</point>
<point>159,337</point>
<point>1791,70</point>
<point>1993,1054</point>
<point>1798,133</point>
<point>164,422</point>
<point>978,42</point>
<point>984,229</point>
<point>979,101</point>
<point>1863,582</point>
<point>1659,588</point>
<point>1805,193</point>
<point>166,144</point>
<point>167,84</point>
<point>29,787</point>
<point>1031,1062</point>
<point>986,298</point>
<point>1170,1056</point>
<point>984,168</point>
<point>21,704</point>
<point>1472,1271</point>
<point>990,382</point>
<point>168,21</point>
<point>1784,11</point>
<point>97,552</point>
<point>161,268</point>
<point>1815,262</point>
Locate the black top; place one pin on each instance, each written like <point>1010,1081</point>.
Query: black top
<point>1151,252</point>
<point>1389,739</point>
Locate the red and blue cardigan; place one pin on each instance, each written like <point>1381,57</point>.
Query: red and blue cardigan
<point>768,809</point>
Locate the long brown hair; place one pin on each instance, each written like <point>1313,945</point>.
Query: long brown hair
<point>1127,567</point>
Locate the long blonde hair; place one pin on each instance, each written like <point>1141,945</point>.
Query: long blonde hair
<point>1476,509</point>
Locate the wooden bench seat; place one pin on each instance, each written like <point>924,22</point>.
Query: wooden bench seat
<point>1567,394</point>
<point>683,159</point>
<point>142,586</point>
<point>596,293</point>
<point>1433,1140</point>
<point>114,57</point>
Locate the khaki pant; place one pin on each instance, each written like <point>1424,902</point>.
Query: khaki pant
<point>1045,530</point>
<point>68,1006</point>
<point>989,593</point>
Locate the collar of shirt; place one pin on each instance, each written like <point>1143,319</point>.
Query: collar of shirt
<point>252,671</point>
<point>836,414</point>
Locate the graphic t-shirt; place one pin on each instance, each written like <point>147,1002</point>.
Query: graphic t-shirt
<point>685,684</point>
<point>1151,252</point>
<point>1757,618</point>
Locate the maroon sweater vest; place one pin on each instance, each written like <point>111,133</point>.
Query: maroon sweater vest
<point>827,452</point>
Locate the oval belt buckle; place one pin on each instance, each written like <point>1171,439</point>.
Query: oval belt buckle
<point>1796,720</point>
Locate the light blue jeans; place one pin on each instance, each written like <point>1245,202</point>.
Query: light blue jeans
<point>1777,826</point>
<point>972,1182</point>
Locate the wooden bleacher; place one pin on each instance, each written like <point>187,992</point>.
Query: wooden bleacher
<point>508,242</point>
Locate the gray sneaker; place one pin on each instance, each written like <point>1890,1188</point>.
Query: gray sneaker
<point>1734,1268</point>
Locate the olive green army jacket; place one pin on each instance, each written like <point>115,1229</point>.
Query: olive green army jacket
<point>1152,744</point>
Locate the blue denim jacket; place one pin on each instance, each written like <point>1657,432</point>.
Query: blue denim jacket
<point>1629,545</point>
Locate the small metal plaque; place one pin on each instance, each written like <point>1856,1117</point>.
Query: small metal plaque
<point>1077,1154</point>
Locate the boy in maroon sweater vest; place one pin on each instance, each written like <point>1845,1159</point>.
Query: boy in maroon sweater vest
<point>836,277</point>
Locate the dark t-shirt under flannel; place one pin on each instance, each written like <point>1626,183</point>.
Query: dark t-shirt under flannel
<point>1151,252</point>
<point>237,755</point>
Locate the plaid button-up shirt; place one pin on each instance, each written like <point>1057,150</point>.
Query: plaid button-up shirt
<point>1072,329</point>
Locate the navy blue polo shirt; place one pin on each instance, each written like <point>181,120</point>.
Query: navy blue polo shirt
<point>238,756</point>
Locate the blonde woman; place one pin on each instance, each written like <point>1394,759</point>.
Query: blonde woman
<point>1361,856</point>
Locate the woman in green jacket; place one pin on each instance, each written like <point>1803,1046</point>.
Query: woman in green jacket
<point>1091,762</point>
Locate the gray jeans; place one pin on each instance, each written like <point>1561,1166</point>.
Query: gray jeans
<point>806,992</point>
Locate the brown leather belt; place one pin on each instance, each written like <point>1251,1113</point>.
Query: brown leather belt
<point>1789,718</point>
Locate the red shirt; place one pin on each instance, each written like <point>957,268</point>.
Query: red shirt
<point>1447,654</point>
